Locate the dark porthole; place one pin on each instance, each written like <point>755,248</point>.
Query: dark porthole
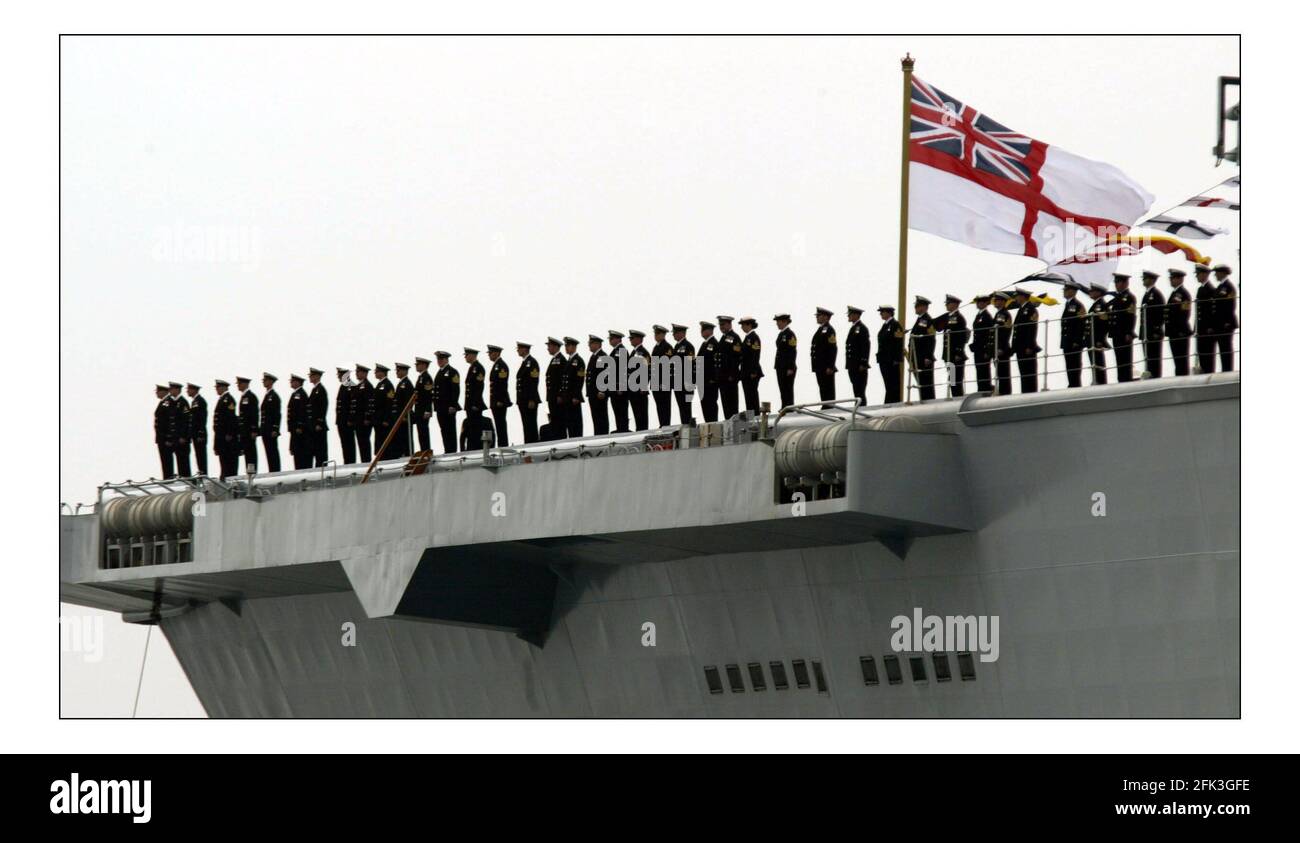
<point>893,672</point>
<point>735,680</point>
<point>779,681</point>
<point>756,676</point>
<point>966,664</point>
<point>712,677</point>
<point>800,673</point>
<point>870,676</point>
<point>819,676</point>
<point>917,663</point>
<point>942,670</point>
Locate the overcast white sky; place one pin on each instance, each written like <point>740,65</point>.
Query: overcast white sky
<point>393,197</point>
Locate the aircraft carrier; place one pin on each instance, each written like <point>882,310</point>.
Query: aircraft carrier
<point>751,568</point>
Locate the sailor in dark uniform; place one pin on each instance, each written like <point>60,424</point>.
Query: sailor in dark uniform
<point>446,400</point>
<point>343,417</point>
<point>1123,327</point>
<point>1074,333</point>
<point>1226,312</point>
<point>575,382</point>
<point>786,362</point>
<point>983,343</point>
<point>857,353</point>
<point>198,428</point>
<point>475,386</point>
<point>1098,331</point>
<point>402,392</point>
<point>729,358</point>
<point>597,398</point>
<point>181,429</point>
<point>423,411</point>
<point>823,354</point>
<point>922,338</point>
<point>385,398</point>
<point>225,430</point>
<point>248,424</point>
<point>527,394</point>
<point>1024,340</point>
<point>661,358</point>
<point>1178,321</point>
<point>712,371</point>
<point>1207,320</point>
<point>684,351</point>
<point>1002,326</point>
<point>638,397</point>
<point>556,369</point>
<point>751,362</point>
<point>955,334</point>
<point>163,423</point>
<point>362,415</point>
<point>618,395</point>
<point>889,353</point>
<point>297,416</point>
<point>269,427</point>
<point>499,395</point>
<point>318,408</point>
<point>1151,328</point>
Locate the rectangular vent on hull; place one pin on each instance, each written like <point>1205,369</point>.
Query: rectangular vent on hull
<point>820,676</point>
<point>735,680</point>
<point>942,670</point>
<point>715,681</point>
<point>779,681</point>
<point>800,673</point>
<point>756,676</point>
<point>917,664</point>
<point>870,676</point>
<point>893,672</point>
<point>966,664</point>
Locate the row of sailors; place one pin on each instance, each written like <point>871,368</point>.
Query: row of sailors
<point>370,418</point>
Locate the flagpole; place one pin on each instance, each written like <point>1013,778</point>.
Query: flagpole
<point>908,64</point>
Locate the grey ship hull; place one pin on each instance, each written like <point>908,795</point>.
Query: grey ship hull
<point>991,508</point>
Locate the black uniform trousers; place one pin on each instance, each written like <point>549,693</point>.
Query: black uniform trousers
<point>401,444</point>
<point>663,406</point>
<point>858,380</point>
<point>684,406</point>
<point>201,456</point>
<point>1074,368</point>
<point>599,408</point>
<point>320,448</point>
<point>349,443</point>
<point>1152,350</point>
<point>785,385</point>
<point>1205,346</point>
<point>1004,374</point>
<point>422,429</point>
<point>892,374</point>
<point>1027,363</point>
<point>250,452</point>
<point>826,385</point>
<point>1179,349</point>
<point>1123,361</point>
<point>1225,351</point>
<point>183,460</point>
<point>1098,356</point>
<point>168,460</point>
<point>709,402</point>
<point>271,444</point>
<point>640,403</point>
<point>229,461</point>
<point>925,381</point>
<point>729,392</point>
<point>573,420</point>
<point>299,450</point>
<point>957,380</point>
<point>618,402</point>
<point>502,427</point>
<point>528,416</point>
<point>750,386</point>
<point>983,374</point>
<point>362,434</point>
<point>447,426</point>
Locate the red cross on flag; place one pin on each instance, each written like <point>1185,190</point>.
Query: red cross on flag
<point>975,181</point>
